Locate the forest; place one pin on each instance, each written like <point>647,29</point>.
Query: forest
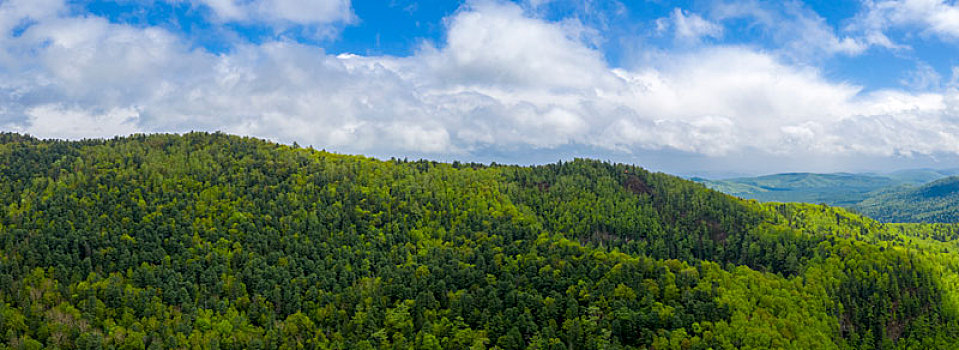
<point>208,240</point>
<point>934,202</point>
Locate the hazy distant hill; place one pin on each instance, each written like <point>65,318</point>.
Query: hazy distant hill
<point>937,201</point>
<point>840,189</point>
<point>920,176</point>
<point>913,195</point>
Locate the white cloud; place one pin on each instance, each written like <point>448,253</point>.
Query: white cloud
<point>303,12</point>
<point>923,78</point>
<point>689,27</point>
<point>496,45</point>
<point>801,32</point>
<point>537,3</point>
<point>57,121</point>
<point>500,81</point>
<point>722,99</point>
<point>930,17</point>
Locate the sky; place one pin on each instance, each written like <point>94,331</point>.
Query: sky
<point>710,88</point>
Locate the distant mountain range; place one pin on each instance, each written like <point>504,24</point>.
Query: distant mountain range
<point>914,195</point>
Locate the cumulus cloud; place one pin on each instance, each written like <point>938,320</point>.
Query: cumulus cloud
<point>731,98</point>
<point>501,80</point>
<point>494,44</point>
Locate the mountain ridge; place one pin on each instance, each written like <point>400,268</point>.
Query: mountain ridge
<point>223,241</point>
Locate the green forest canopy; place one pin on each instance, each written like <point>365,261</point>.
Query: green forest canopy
<point>212,240</point>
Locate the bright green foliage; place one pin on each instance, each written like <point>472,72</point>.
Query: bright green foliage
<point>209,240</point>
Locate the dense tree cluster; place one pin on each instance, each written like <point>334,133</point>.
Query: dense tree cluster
<point>211,240</point>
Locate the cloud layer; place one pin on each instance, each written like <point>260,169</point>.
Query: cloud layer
<point>502,80</point>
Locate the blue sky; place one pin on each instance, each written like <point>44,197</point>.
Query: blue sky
<point>706,87</point>
<point>400,27</point>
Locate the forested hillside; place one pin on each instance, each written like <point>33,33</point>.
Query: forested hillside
<point>211,240</point>
<point>937,201</point>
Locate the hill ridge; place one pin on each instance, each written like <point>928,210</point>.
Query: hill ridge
<point>222,241</point>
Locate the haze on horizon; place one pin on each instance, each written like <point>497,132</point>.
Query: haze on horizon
<point>707,87</point>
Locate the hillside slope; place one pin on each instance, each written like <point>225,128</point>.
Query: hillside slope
<point>211,240</point>
<point>937,201</point>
